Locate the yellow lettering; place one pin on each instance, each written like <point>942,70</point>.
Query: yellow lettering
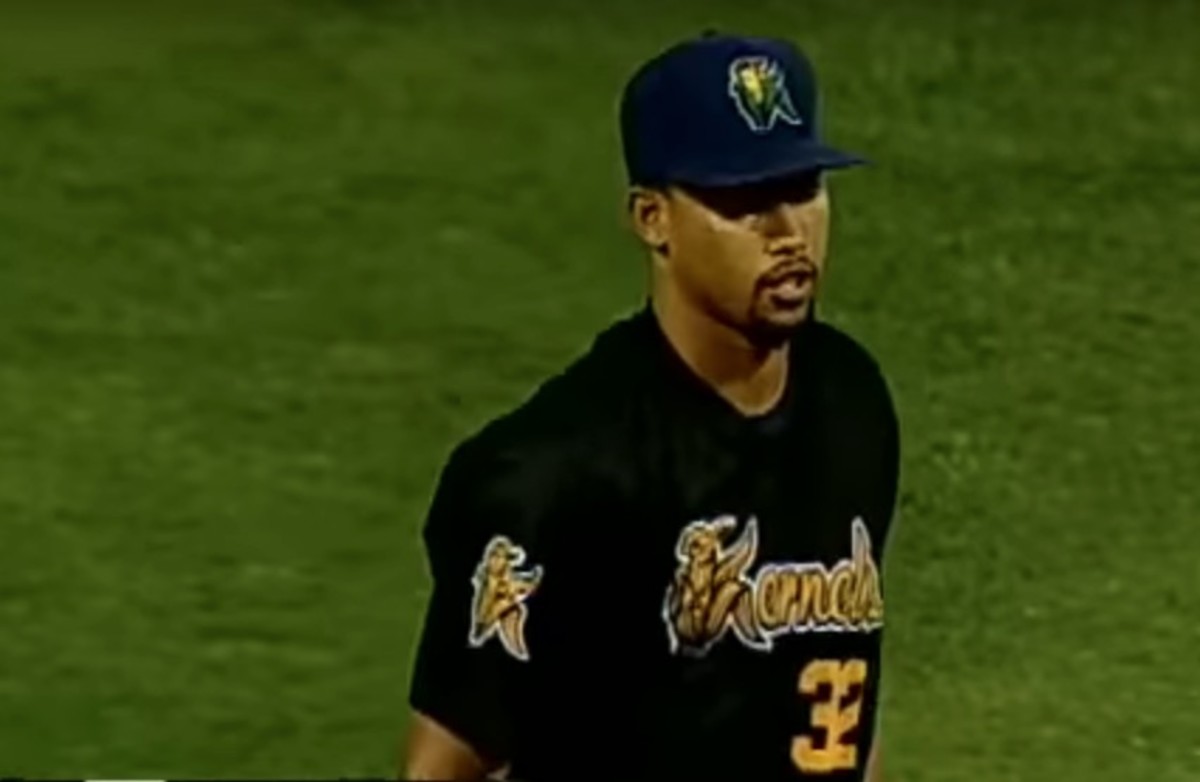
<point>814,599</point>
<point>839,593</point>
<point>777,598</point>
<point>796,609</point>
<point>867,595</point>
<point>830,716</point>
<point>771,608</point>
<point>873,599</point>
<point>789,585</point>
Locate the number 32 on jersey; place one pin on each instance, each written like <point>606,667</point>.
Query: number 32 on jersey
<point>835,714</point>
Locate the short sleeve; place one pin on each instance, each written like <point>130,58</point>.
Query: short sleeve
<point>473,651</point>
<point>890,469</point>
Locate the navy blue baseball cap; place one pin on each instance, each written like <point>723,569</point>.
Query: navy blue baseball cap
<point>722,110</point>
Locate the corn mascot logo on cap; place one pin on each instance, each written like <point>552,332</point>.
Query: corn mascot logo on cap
<point>499,608</point>
<point>759,90</point>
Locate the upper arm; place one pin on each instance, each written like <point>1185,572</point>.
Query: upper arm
<point>891,450</point>
<point>889,481</point>
<point>473,650</point>
<point>884,459</point>
<point>434,752</point>
<point>874,761</point>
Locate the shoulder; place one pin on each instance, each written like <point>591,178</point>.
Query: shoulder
<point>861,427</point>
<point>843,354</point>
<point>852,394</point>
<point>849,373</point>
<point>543,444</point>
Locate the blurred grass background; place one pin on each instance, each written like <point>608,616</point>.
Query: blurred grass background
<point>261,265</point>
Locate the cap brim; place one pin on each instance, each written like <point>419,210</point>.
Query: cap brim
<point>803,158</point>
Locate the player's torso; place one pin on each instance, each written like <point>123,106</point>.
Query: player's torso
<point>770,623</point>
<point>714,609</point>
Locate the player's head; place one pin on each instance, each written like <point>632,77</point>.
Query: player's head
<point>727,180</point>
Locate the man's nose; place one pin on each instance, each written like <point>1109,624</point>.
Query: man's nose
<point>785,229</point>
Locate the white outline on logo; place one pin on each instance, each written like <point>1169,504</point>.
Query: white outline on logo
<point>784,109</point>
<point>479,634</point>
<point>746,548</point>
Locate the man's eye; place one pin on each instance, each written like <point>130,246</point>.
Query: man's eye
<point>802,191</point>
<point>732,203</point>
<point>736,203</point>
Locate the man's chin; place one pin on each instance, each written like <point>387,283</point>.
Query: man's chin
<point>774,330</point>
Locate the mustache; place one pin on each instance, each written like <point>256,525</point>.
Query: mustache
<point>799,269</point>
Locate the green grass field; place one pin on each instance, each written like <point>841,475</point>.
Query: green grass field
<point>261,268</point>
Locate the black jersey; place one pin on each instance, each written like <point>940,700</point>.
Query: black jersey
<point>631,579</point>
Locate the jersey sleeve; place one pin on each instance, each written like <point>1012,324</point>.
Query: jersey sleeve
<point>474,652</point>
<point>890,469</point>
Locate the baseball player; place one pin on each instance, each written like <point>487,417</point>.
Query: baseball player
<point>667,562</point>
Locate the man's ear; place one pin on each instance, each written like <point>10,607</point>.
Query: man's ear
<point>650,218</point>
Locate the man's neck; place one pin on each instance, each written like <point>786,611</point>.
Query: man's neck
<point>751,378</point>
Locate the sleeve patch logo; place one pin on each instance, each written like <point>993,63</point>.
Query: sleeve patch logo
<point>498,609</point>
<point>712,593</point>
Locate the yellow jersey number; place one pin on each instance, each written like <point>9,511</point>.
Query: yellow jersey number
<point>832,715</point>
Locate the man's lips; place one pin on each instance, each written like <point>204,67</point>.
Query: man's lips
<point>791,291</point>
<point>790,284</point>
<point>794,275</point>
